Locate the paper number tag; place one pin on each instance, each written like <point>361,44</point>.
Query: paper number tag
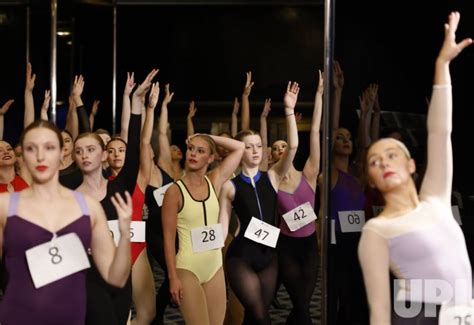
<point>456,314</point>
<point>300,216</point>
<point>137,231</point>
<point>457,216</point>
<point>262,232</point>
<point>56,259</point>
<point>159,194</point>
<point>207,238</point>
<point>351,221</point>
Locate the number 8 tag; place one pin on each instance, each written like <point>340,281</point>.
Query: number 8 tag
<point>207,238</point>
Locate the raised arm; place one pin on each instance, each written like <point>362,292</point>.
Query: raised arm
<point>234,118</point>
<point>374,261</point>
<point>338,84</point>
<point>164,160</point>
<point>72,122</point>
<point>279,170</point>
<point>226,168</point>
<point>145,143</point>
<point>95,107</point>
<point>112,262</point>
<point>45,106</point>
<point>375,125</point>
<point>192,109</point>
<point>245,102</point>
<point>76,93</point>
<point>264,132</point>
<point>439,171</point>
<point>29,102</point>
<point>3,111</point>
<point>125,120</point>
<point>311,167</point>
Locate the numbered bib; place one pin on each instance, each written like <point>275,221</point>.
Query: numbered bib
<point>300,216</point>
<point>262,232</point>
<point>159,193</point>
<point>377,209</point>
<point>457,216</point>
<point>137,231</point>
<point>351,221</point>
<point>456,314</point>
<point>56,259</point>
<point>207,238</point>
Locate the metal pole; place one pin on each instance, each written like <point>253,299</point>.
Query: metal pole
<point>54,18</point>
<point>114,71</point>
<point>27,34</point>
<point>326,153</point>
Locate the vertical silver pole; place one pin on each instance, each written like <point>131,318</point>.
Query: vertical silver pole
<point>326,145</point>
<point>54,19</point>
<point>27,34</point>
<point>114,72</point>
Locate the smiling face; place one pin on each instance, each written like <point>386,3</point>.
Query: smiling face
<point>7,154</point>
<point>342,142</point>
<point>89,153</point>
<point>389,165</point>
<point>42,154</point>
<point>278,149</point>
<point>116,150</point>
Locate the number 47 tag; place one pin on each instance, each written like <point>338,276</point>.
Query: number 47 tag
<point>262,232</point>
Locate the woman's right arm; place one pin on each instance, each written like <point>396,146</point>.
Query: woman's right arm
<point>164,159</point>
<point>29,102</point>
<point>374,261</point>
<point>225,206</point>
<point>169,214</point>
<point>437,181</point>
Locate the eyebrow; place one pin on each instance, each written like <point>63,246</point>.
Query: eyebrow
<point>386,150</point>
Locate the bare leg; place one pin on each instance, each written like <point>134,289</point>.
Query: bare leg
<point>193,305</point>
<point>215,293</point>
<point>143,293</point>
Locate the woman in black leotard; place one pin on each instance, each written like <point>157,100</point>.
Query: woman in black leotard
<point>251,266</point>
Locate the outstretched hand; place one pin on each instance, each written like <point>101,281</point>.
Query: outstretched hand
<point>192,109</point>
<point>337,76</point>
<point>30,77</point>
<point>6,106</point>
<point>450,48</point>
<point>145,85</point>
<point>154,95</point>
<point>78,86</point>
<point>168,95</point>
<point>248,84</point>
<point>124,210</point>
<point>267,107</point>
<point>130,84</point>
<point>291,95</point>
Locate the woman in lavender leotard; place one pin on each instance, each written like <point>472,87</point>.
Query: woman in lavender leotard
<point>298,248</point>
<point>43,213</point>
<point>416,236</point>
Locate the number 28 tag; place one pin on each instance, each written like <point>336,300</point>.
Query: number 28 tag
<point>207,238</point>
<point>299,216</point>
<point>351,221</point>
<point>451,314</point>
<point>56,259</point>
<point>262,232</point>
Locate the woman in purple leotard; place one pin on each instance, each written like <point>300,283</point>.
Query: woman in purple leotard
<point>416,236</point>
<point>44,213</point>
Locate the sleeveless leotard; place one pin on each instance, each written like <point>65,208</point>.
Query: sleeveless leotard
<point>60,302</point>
<point>18,184</point>
<point>288,201</point>
<point>194,214</point>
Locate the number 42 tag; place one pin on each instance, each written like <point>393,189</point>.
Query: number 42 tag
<point>299,216</point>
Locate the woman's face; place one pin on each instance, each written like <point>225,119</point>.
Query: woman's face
<point>7,154</point>
<point>198,154</point>
<point>116,151</point>
<point>19,157</point>
<point>388,166</point>
<point>278,148</point>
<point>42,154</point>
<point>89,154</point>
<point>253,150</point>
<point>342,142</point>
<point>67,144</point>
<point>176,153</point>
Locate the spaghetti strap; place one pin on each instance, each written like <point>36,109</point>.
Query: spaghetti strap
<point>13,204</point>
<point>82,202</point>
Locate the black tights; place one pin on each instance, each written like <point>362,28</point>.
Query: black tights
<point>298,269</point>
<point>254,288</point>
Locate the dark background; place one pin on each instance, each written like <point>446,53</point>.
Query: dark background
<point>204,48</point>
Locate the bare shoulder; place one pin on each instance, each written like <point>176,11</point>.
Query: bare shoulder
<point>4,202</point>
<point>95,208</point>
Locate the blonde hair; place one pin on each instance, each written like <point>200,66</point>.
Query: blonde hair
<point>209,140</point>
